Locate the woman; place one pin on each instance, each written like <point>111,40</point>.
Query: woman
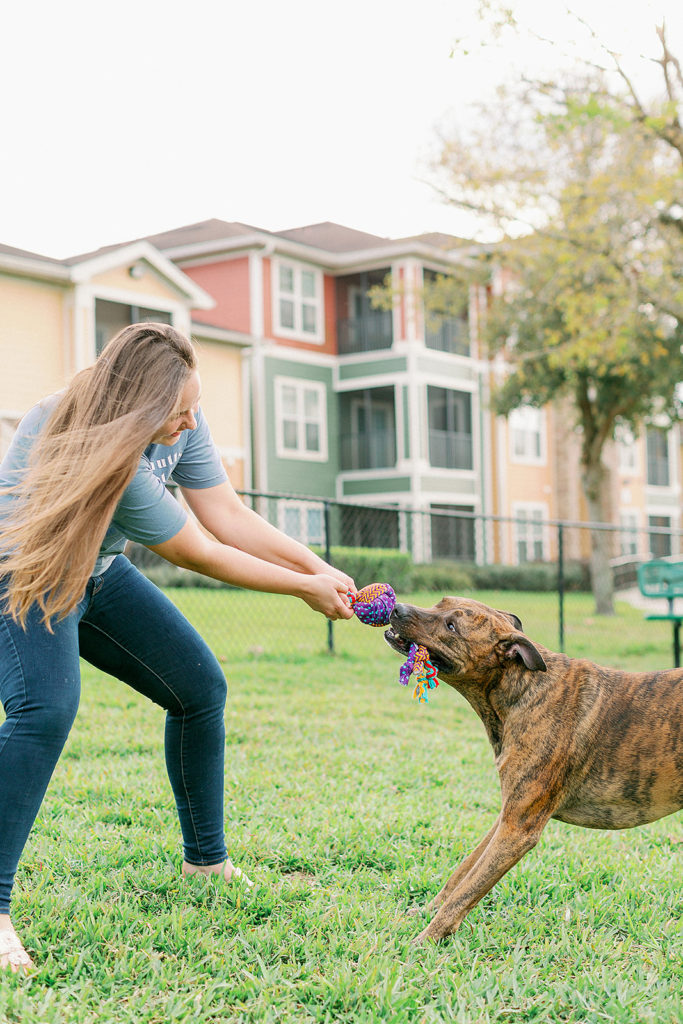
<point>86,472</point>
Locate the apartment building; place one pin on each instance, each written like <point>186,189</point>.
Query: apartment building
<point>313,391</point>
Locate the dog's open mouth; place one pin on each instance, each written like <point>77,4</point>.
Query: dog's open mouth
<point>402,646</point>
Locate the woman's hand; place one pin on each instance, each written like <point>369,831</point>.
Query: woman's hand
<point>324,593</point>
<point>337,574</point>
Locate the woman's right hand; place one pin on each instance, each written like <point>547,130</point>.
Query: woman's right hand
<point>327,595</point>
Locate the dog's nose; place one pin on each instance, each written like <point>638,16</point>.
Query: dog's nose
<point>400,611</point>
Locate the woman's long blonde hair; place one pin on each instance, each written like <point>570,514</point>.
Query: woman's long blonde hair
<point>82,461</point>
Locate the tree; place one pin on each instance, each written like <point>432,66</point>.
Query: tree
<point>584,185</point>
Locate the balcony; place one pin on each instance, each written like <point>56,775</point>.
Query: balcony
<point>370,332</point>
<point>376,450</point>
<point>448,334</point>
<point>450,450</point>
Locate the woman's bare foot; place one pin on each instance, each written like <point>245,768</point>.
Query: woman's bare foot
<point>12,953</point>
<point>226,868</point>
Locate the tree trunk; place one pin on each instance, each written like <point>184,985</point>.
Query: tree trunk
<point>596,480</point>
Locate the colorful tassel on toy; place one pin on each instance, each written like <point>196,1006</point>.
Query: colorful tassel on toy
<point>373,605</point>
<point>419,663</point>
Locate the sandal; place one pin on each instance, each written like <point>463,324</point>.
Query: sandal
<point>11,947</point>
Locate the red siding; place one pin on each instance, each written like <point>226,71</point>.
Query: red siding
<point>228,283</point>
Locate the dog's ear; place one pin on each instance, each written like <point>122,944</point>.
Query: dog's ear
<point>516,622</point>
<point>521,647</point>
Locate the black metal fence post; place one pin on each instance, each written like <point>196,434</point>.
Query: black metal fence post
<point>560,584</point>
<point>328,559</point>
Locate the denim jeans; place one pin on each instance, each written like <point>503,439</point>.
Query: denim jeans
<point>127,628</point>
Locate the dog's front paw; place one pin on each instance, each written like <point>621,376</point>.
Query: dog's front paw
<point>423,939</point>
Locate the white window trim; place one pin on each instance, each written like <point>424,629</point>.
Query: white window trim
<point>527,459</point>
<point>300,384</point>
<point>528,507</point>
<point>285,505</point>
<point>297,333</point>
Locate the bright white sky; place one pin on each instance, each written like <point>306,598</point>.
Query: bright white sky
<point>127,118</point>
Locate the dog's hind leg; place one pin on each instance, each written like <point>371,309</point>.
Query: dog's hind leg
<point>506,846</point>
<point>462,869</point>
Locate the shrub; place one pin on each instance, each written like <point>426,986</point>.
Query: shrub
<point>374,565</point>
<point>387,565</point>
<point>537,576</point>
<point>442,577</point>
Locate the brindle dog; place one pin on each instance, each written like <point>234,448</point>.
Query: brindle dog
<point>587,745</point>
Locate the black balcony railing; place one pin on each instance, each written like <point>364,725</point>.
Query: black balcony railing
<point>368,451</point>
<point>448,450</point>
<point>367,333</point>
<point>448,335</point>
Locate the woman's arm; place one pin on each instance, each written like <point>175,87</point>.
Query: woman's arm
<point>228,519</point>
<point>190,548</point>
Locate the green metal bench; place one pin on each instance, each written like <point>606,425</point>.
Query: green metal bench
<point>660,578</point>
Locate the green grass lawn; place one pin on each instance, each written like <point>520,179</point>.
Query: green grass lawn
<point>348,803</point>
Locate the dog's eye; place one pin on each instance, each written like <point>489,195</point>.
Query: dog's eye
<point>451,626</point>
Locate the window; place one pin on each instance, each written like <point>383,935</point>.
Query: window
<point>527,434</point>
<point>660,543</point>
<point>368,432</point>
<point>450,428</point>
<point>301,419</point>
<point>628,536</point>
<point>111,317</point>
<point>529,533</point>
<point>302,520</point>
<point>657,457</point>
<point>297,296</point>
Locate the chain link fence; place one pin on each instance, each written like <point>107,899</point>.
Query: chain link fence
<point>537,568</point>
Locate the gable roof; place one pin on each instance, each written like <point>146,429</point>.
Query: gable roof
<point>10,250</point>
<point>333,237</point>
<point>330,245</point>
<point>83,268</point>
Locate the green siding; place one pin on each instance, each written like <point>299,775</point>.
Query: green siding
<point>302,476</point>
<point>349,371</point>
<point>386,485</point>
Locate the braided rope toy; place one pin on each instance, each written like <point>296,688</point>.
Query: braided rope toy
<point>373,605</point>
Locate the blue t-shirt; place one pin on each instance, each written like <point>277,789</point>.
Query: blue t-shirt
<point>147,513</point>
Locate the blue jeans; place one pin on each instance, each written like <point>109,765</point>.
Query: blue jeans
<point>127,628</point>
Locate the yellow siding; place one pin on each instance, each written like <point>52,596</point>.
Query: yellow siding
<point>32,343</point>
<point>149,286</point>
<point>220,368</point>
